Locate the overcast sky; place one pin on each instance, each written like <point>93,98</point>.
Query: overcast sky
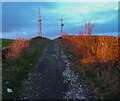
<point>20,18</point>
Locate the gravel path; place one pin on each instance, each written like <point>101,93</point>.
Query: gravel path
<point>52,78</point>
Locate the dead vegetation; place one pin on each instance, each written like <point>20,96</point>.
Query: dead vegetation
<point>92,49</point>
<point>16,47</point>
<point>96,59</point>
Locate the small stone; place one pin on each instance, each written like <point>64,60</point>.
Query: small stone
<point>9,90</point>
<point>8,70</point>
<point>6,82</point>
<point>30,64</point>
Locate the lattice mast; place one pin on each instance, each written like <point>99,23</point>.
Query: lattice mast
<point>39,24</point>
<point>61,25</point>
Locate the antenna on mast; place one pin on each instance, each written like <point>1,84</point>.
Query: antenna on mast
<point>61,25</point>
<point>39,24</point>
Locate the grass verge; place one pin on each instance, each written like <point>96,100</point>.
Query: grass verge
<point>102,85</point>
<point>13,72</point>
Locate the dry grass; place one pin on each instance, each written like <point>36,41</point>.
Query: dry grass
<point>16,47</point>
<point>97,61</point>
<point>92,49</point>
<point>99,67</point>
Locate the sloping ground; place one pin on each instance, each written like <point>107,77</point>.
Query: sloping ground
<point>49,78</point>
<point>104,85</point>
<point>46,81</point>
<point>53,78</point>
<point>15,70</point>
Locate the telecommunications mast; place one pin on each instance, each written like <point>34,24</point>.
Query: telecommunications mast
<point>61,25</point>
<point>39,24</point>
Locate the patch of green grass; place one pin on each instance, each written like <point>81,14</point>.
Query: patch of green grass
<point>16,71</point>
<point>6,42</point>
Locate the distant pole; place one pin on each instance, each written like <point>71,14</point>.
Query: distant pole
<point>61,25</point>
<point>39,24</point>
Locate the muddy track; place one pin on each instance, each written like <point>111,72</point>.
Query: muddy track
<point>52,78</point>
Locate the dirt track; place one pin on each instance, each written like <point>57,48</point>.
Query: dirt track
<point>52,78</point>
